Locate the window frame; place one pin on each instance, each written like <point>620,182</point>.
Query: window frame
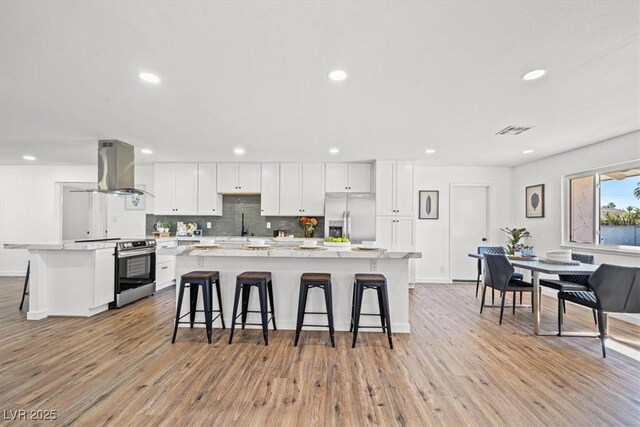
<point>566,210</point>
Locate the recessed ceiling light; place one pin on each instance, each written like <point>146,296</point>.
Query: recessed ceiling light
<point>338,75</point>
<point>30,158</point>
<point>239,151</point>
<point>146,151</point>
<point>430,151</point>
<point>534,74</point>
<point>150,78</point>
<point>334,150</point>
<point>527,152</point>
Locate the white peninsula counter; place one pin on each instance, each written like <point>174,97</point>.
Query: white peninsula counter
<point>286,264</point>
<point>68,278</point>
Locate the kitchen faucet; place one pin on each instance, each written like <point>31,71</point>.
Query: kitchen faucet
<point>243,231</point>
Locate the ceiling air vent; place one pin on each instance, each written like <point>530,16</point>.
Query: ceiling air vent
<point>514,130</point>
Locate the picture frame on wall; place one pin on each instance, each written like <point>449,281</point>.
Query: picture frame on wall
<point>534,201</point>
<point>429,204</point>
<point>136,202</point>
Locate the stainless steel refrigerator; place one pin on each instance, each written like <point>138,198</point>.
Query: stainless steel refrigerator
<point>350,215</point>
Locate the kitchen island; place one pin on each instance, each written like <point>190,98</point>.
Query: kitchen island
<point>287,263</point>
<point>69,278</point>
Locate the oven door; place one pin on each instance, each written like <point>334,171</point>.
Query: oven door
<point>136,268</point>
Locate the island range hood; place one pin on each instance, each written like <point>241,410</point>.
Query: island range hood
<point>116,169</point>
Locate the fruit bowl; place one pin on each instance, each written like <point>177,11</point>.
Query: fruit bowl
<point>337,242</point>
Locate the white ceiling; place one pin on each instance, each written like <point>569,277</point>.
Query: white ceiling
<point>443,75</point>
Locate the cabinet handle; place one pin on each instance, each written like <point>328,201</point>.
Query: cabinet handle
<point>214,210</point>
<point>164,268</point>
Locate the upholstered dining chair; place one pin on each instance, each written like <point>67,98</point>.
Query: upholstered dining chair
<point>615,289</point>
<point>572,282</point>
<point>491,250</point>
<point>499,276</point>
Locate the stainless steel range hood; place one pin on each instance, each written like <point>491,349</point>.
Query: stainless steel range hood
<point>116,169</point>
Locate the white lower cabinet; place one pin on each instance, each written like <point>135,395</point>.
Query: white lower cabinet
<point>395,233</point>
<point>103,277</point>
<point>165,272</point>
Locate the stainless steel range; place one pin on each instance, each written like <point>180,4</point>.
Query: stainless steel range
<point>135,269</point>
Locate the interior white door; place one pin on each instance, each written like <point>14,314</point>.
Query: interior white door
<point>76,214</point>
<point>469,228</point>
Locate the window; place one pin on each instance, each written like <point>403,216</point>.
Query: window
<point>604,207</point>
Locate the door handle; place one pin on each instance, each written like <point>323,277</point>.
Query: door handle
<point>484,239</point>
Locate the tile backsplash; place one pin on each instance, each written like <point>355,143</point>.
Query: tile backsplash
<point>229,224</point>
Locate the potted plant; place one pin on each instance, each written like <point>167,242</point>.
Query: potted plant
<point>165,224</point>
<point>515,235</point>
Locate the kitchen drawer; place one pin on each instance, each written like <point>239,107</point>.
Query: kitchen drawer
<point>164,274</point>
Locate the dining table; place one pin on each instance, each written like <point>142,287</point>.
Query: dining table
<point>536,267</point>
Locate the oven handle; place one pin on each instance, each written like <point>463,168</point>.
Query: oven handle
<point>137,252</point>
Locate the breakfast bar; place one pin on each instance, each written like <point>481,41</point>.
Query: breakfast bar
<point>287,264</point>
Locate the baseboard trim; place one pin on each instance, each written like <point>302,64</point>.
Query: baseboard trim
<point>428,280</point>
<point>12,273</point>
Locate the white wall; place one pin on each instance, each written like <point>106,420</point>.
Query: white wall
<point>547,231</point>
<point>28,211</point>
<point>432,236</point>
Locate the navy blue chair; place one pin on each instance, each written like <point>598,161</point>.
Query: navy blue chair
<point>499,276</point>
<point>572,282</point>
<point>615,289</point>
<point>493,250</point>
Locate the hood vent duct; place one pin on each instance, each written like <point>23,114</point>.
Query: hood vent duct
<point>116,169</point>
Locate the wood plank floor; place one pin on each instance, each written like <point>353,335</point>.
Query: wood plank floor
<point>456,368</point>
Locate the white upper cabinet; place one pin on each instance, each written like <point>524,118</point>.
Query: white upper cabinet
<point>337,177</point>
<point>227,178</point>
<point>385,188</point>
<point>405,197</point>
<point>290,189</point>
<point>394,188</point>
<point>209,201</point>
<point>176,189</point>
<point>240,178</point>
<point>270,189</point>
<point>164,188</point>
<point>313,178</point>
<point>249,177</point>
<point>348,177</point>
<point>302,189</point>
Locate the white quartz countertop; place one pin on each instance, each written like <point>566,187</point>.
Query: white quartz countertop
<point>229,250</point>
<point>61,246</point>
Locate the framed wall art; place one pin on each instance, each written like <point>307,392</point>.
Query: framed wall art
<point>534,201</point>
<point>429,204</point>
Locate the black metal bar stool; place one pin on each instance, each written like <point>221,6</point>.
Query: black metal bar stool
<point>244,283</point>
<point>26,282</point>
<point>193,281</point>
<point>315,280</point>
<point>379,283</point>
